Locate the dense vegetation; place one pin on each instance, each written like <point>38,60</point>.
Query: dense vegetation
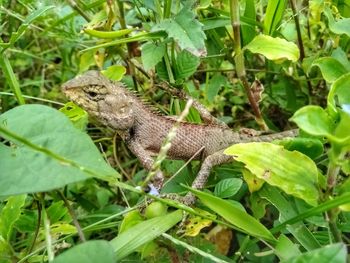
<point>266,65</point>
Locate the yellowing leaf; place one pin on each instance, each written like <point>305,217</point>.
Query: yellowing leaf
<point>274,48</point>
<point>253,182</point>
<point>293,172</point>
<point>196,223</point>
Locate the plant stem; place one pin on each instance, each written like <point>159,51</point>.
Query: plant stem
<point>297,26</point>
<point>167,9</point>
<point>80,11</point>
<point>74,217</point>
<point>239,62</point>
<point>128,45</point>
<point>332,174</point>
<point>49,249</point>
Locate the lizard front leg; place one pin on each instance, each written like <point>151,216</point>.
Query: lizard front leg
<point>204,172</point>
<point>146,160</point>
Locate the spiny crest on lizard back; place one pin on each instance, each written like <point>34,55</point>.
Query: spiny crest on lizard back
<point>108,101</point>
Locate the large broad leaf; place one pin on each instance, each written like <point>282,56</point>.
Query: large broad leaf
<point>314,120</point>
<point>277,49</point>
<point>88,252</point>
<point>234,215</point>
<point>186,31</point>
<point>331,68</point>
<point>47,152</point>
<point>134,237</point>
<point>293,172</point>
<point>335,253</point>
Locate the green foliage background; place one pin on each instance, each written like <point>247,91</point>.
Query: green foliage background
<point>267,65</point>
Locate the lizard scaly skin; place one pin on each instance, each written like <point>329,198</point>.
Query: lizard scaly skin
<point>144,131</point>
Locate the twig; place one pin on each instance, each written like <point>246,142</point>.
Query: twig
<point>74,217</point>
<point>239,62</point>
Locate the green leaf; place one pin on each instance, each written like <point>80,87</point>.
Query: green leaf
<point>331,68</point>
<point>115,72</point>
<point>10,213</point>
<point>313,120</point>
<point>273,15</point>
<point>287,211</point>
<point>339,95</point>
<point>11,77</point>
<point>130,219</point>
<point>25,24</point>
<point>47,152</point>
<point>234,215</point>
<point>248,30</point>
<point>58,211</point>
<point>185,30</point>
<point>335,253</point>
<point>285,248</point>
<point>186,65</point>
<point>308,146</point>
<point>342,26</point>
<point>293,172</point>
<point>77,115</point>
<point>89,252</point>
<point>276,49</point>
<point>214,85</point>
<point>342,131</point>
<point>342,57</point>
<point>227,187</point>
<point>86,60</point>
<point>134,237</point>
<point>152,54</point>
<point>215,22</point>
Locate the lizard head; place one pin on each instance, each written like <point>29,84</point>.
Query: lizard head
<point>105,100</point>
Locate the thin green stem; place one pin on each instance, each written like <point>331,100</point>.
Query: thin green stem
<point>167,9</point>
<point>239,62</point>
<point>90,227</point>
<point>332,215</point>
<point>326,206</point>
<point>128,45</point>
<point>297,26</point>
<point>79,10</point>
<point>33,98</point>
<point>74,216</point>
<point>168,68</point>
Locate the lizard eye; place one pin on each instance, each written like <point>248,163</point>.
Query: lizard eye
<point>92,94</point>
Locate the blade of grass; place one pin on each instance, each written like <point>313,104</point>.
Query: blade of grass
<point>11,78</point>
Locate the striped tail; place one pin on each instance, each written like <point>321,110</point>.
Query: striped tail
<point>270,137</point>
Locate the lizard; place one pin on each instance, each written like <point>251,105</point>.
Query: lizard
<point>143,130</point>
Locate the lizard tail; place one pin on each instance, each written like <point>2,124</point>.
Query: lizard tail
<point>272,136</point>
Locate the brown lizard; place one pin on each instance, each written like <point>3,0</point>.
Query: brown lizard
<point>143,130</point>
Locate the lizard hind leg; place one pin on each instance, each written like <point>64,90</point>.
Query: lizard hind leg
<point>204,172</point>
